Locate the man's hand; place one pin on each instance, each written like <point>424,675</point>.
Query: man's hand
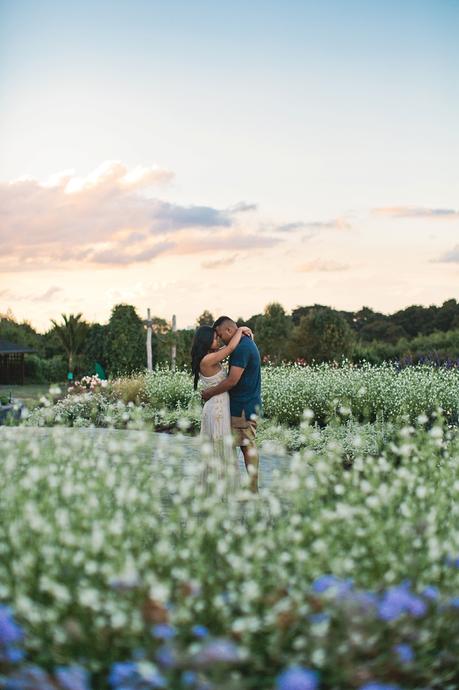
<point>207,394</point>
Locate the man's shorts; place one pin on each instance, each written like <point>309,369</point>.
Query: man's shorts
<point>244,430</point>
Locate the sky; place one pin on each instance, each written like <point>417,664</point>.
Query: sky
<point>190,155</point>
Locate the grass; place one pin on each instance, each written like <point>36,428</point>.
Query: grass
<point>30,394</point>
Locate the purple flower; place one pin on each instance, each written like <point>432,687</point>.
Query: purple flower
<point>72,678</point>
<point>135,676</point>
<point>317,618</point>
<point>217,651</point>
<point>30,678</point>
<point>122,673</point>
<point>430,592</point>
<point>163,631</point>
<point>378,686</point>
<point>166,656</point>
<point>399,600</point>
<point>189,678</point>
<point>326,582</point>
<point>200,631</point>
<point>11,635</point>
<point>404,652</point>
<point>297,678</point>
<point>10,631</point>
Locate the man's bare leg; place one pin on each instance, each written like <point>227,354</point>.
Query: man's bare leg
<point>251,461</point>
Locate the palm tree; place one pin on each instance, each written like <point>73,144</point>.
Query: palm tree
<point>72,334</point>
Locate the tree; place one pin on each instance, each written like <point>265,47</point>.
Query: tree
<point>447,316</point>
<point>21,333</point>
<point>95,348</point>
<point>126,341</point>
<point>415,320</point>
<point>273,331</point>
<point>382,329</point>
<point>323,335</point>
<point>206,319</point>
<point>72,333</point>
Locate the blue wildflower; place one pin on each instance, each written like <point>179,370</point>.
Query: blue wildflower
<point>404,652</point>
<point>29,678</point>
<point>128,675</point>
<point>454,602</point>
<point>10,631</point>
<point>430,592</point>
<point>189,678</point>
<point>166,656</point>
<point>297,678</point>
<point>121,673</point>
<point>330,582</point>
<point>324,582</point>
<point>378,686</point>
<point>11,636</point>
<point>72,678</point>
<point>318,618</point>
<point>13,655</point>
<point>217,651</point>
<point>163,631</point>
<point>399,600</point>
<point>200,630</point>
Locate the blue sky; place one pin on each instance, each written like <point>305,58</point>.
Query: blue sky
<point>315,112</point>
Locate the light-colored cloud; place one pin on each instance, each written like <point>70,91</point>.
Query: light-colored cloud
<point>46,296</point>
<point>117,257</point>
<point>242,207</point>
<point>415,212</point>
<point>227,242</point>
<point>111,217</point>
<point>220,263</point>
<point>322,266</point>
<point>451,256</point>
<point>339,223</point>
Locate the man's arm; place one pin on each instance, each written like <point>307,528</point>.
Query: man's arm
<point>232,379</point>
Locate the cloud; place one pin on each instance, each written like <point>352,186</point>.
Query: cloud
<point>108,217</point>
<point>452,256</point>
<point>220,263</point>
<point>319,265</point>
<point>227,242</point>
<point>44,297</point>
<point>122,257</point>
<point>339,223</point>
<point>414,212</point>
<point>242,207</point>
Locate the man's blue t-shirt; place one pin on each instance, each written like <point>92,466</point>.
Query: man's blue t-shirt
<point>246,394</point>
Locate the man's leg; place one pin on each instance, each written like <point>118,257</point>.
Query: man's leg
<point>252,462</point>
<point>244,431</point>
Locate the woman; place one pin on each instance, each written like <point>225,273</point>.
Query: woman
<point>206,365</point>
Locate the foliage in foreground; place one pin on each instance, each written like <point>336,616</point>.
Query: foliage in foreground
<point>121,563</point>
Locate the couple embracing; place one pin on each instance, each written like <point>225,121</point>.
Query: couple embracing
<point>232,398</point>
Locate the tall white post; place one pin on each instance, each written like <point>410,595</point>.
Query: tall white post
<point>174,343</point>
<point>149,324</point>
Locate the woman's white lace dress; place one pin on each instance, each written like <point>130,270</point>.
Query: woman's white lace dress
<point>220,472</point>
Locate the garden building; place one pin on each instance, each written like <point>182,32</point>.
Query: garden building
<point>12,362</point>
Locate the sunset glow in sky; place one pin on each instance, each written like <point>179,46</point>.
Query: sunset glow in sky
<point>199,155</point>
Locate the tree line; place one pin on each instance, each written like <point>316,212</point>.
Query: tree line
<point>309,333</point>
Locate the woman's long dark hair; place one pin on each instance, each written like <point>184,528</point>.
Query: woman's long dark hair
<point>202,342</point>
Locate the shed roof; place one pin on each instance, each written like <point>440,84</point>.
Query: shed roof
<point>7,347</point>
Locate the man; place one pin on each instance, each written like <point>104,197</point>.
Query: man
<point>244,386</point>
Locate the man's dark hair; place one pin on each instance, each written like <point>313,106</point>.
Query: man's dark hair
<point>221,320</point>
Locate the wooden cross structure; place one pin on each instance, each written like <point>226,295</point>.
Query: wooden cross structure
<point>149,324</point>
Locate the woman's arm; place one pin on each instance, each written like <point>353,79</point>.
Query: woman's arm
<point>231,380</point>
<point>216,357</point>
